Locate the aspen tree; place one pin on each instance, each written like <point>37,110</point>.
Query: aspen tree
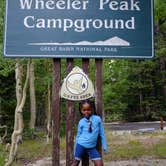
<point>32,97</point>
<point>18,121</point>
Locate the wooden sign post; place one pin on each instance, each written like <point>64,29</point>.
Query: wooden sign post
<point>56,112</point>
<point>70,109</point>
<point>85,66</point>
<point>69,122</point>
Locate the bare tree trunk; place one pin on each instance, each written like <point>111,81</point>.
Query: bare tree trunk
<point>18,123</point>
<point>48,103</point>
<point>162,69</point>
<point>32,97</point>
<point>48,114</point>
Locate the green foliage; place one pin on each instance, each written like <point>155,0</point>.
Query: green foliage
<point>115,79</point>
<point>7,66</point>
<point>2,154</point>
<point>133,90</point>
<point>1,20</point>
<point>160,11</point>
<point>7,101</point>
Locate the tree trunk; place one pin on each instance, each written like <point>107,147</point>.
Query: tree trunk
<point>32,97</point>
<point>162,69</point>
<point>48,113</point>
<point>48,103</point>
<point>18,123</point>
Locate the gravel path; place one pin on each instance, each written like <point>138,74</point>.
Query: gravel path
<point>136,162</point>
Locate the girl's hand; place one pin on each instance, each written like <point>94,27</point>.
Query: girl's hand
<point>105,151</point>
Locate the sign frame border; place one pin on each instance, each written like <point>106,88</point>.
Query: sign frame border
<point>76,56</point>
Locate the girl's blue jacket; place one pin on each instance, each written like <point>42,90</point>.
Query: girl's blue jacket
<point>89,139</point>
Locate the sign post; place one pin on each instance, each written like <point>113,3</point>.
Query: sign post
<point>86,69</point>
<point>70,112</point>
<point>56,112</point>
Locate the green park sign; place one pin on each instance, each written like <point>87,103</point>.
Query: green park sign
<point>79,28</point>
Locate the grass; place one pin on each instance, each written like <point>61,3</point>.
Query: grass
<point>2,154</point>
<point>160,149</point>
<point>133,149</point>
<point>127,146</point>
<point>32,147</point>
<point>130,146</point>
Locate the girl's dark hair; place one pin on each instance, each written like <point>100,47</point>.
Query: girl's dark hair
<point>91,103</point>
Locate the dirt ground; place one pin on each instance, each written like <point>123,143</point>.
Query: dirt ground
<point>137,162</point>
<point>122,138</point>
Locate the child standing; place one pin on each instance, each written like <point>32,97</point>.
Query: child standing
<point>89,128</point>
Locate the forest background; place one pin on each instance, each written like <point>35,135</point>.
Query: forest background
<point>133,89</point>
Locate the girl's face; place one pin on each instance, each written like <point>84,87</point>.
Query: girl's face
<point>86,110</point>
